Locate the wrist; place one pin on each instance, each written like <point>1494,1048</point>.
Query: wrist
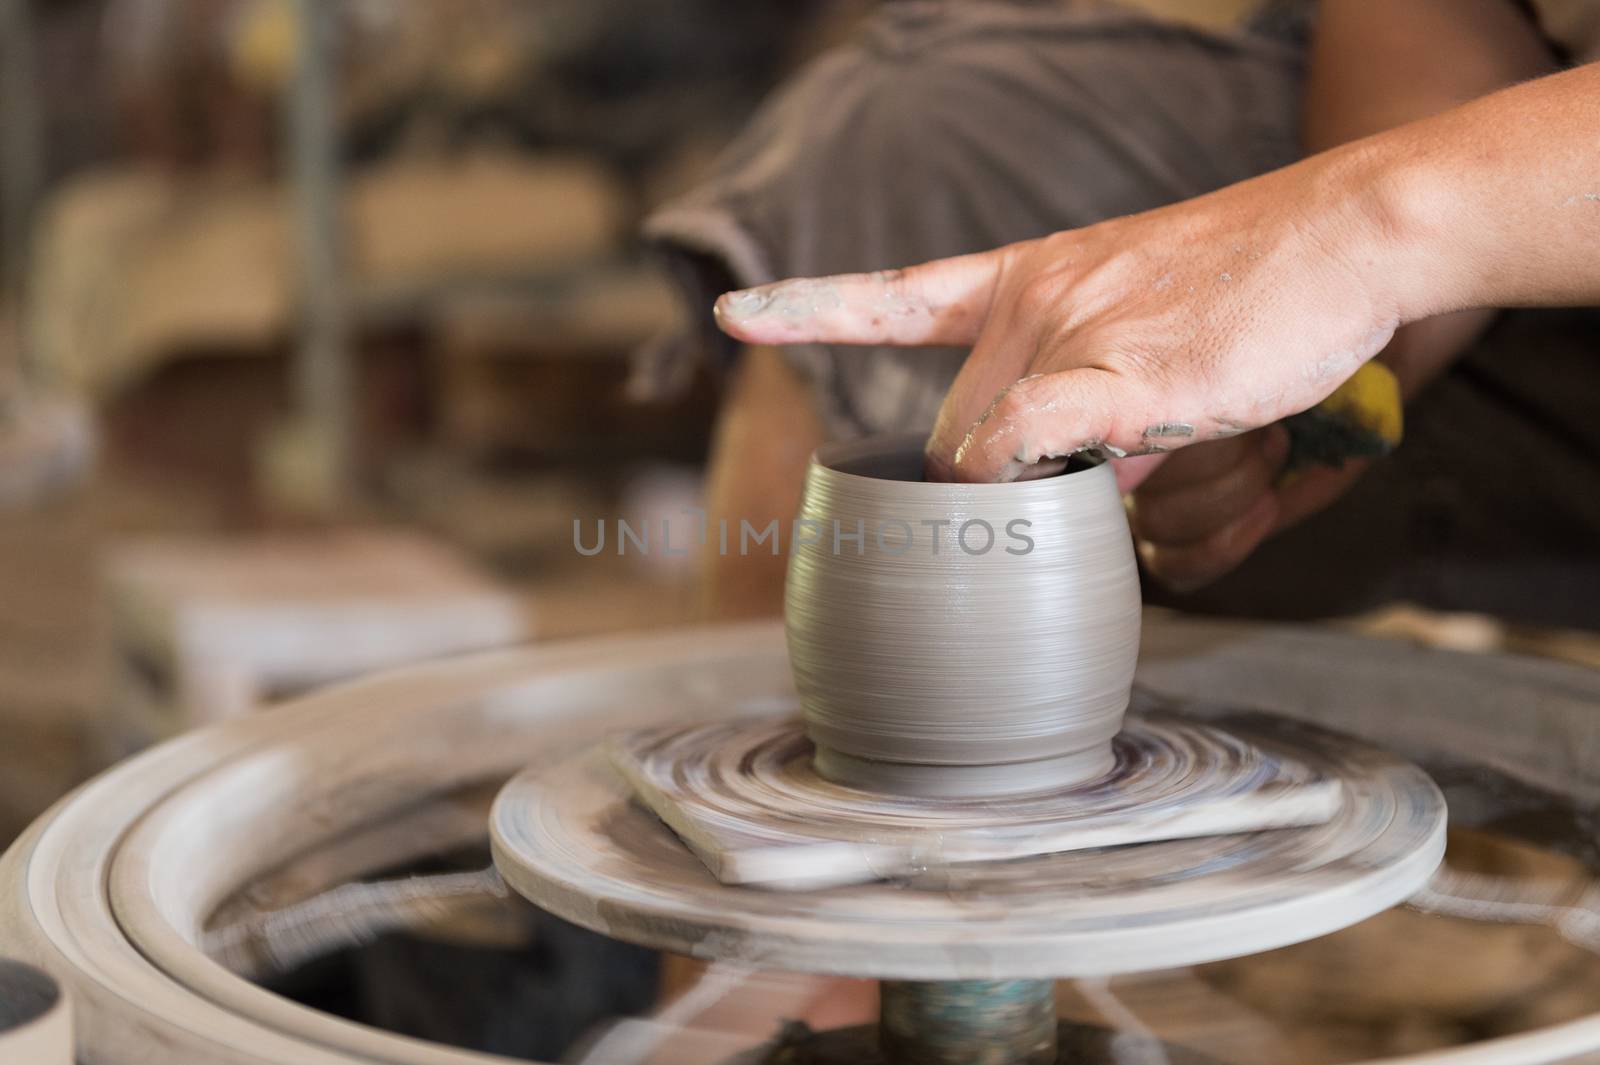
<point>1396,202</point>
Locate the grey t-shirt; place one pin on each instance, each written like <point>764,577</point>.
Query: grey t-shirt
<point>1574,25</point>
<point>950,126</point>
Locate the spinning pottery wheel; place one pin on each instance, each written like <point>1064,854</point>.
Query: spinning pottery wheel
<point>118,891</point>
<point>571,838</point>
<point>966,868</point>
<point>969,950</point>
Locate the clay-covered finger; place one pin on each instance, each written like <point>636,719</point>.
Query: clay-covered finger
<point>1040,417</point>
<point>1200,462</point>
<point>1183,568</point>
<point>1188,513</point>
<point>1180,518</point>
<point>939,302</point>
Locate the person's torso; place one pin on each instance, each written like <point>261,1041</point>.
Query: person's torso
<point>1573,25</point>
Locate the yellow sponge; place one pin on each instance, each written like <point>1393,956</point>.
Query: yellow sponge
<point>1362,418</point>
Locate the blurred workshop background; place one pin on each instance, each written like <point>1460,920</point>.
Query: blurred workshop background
<point>315,335</point>
<point>316,327</point>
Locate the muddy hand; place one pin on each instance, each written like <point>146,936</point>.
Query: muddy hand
<point>1136,336</point>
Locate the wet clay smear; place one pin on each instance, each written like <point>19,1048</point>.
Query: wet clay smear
<point>745,798</point>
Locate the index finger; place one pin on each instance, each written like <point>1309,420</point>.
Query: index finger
<point>940,302</point>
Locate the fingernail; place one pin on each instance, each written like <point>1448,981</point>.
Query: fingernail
<point>743,304</point>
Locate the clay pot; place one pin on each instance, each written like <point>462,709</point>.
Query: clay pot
<point>959,639</point>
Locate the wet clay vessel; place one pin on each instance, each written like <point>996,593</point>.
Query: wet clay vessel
<point>959,640</point>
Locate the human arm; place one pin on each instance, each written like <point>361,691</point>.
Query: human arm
<point>1235,309</point>
<point>1372,67</point>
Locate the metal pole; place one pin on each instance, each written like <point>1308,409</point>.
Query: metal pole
<point>21,171</point>
<point>968,1022</point>
<point>321,368</point>
<point>19,137</point>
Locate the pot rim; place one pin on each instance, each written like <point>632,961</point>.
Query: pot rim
<point>830,456</point>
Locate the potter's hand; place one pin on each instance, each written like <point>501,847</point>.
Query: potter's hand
<point>1138,335</point>
<point>1230,311</point>
<point>1208,507</point>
